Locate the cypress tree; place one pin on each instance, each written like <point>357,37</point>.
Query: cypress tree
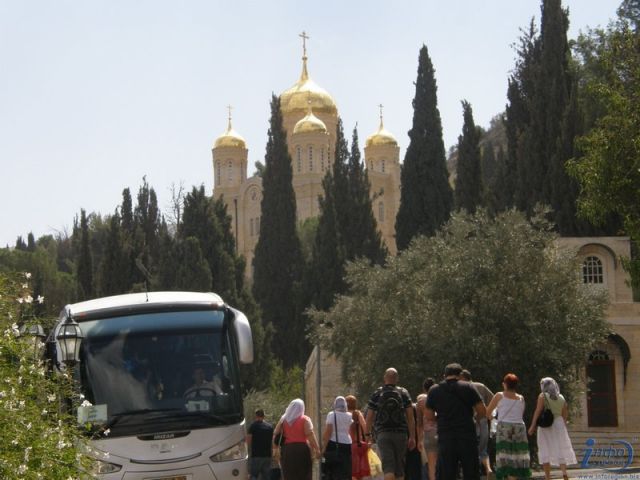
<point>115,262</point>
<point>193,272</point>
<point>360,234</point>
<point>468,192</point>
<point>328,256</point>
<point>84,261</point>
<point>31,242</point>
<point>426,198</point>
<point>278,256</point>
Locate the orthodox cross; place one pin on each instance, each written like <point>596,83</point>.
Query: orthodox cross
<point>304,37</point>
<point>229,107</point>
<point>380,107</point>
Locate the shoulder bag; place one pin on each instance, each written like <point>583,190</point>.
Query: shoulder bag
<point>332,456</point>
<point>545,419</point>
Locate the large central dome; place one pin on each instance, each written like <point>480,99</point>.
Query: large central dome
<point>305,90</point>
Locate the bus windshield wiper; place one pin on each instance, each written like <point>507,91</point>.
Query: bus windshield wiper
<point>116,417</point>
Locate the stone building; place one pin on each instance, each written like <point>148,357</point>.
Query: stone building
<point>310,117</point>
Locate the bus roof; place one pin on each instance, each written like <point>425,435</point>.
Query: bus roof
<point>143,301</point>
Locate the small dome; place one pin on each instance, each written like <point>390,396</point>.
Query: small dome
<point>310,124</point>
<point>230,138</point>
<point>305,89</point>
<point>381,137</point>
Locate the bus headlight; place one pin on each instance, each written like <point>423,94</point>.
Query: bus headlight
<point>237,452</point>
<point>102,468</point>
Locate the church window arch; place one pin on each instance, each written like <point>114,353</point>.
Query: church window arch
<point>251,227</point>
<point>322,159</point>
<point>381,212</point>
<point>310,158</point>
<point>218,172</point>
<point>299,159</point>
<point>230,170</point>
<point>592,270</point>
<point>382,162</point>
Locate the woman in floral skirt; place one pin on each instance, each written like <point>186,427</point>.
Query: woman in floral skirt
<point>512,445</point>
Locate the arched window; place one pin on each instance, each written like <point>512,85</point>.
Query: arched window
<point>310,158</point>
<point>299,158</point>
<point>592,271</point>
<point>322,159</point>
<point>382,166</point>
<point>230,170</point>
<point>251,227</point>
<point>381,212</point>
<point>218,174</point>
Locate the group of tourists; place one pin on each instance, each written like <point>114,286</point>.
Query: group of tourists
<point>443,436</point>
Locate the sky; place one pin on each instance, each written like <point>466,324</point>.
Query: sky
<point>95,95</point>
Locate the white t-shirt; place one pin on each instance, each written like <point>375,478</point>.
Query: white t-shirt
<point>343,421</point>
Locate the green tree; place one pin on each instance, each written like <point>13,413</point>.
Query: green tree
<point>84,273</point>
<point>608,168</point>
<point>278,257</point>
<point>496,295</point>
<point>426,197</point>
<point>114,269</point>
<point>468,192</point>
<point>193,273</point>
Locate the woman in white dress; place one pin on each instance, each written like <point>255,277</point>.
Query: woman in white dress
<point>554,444</point>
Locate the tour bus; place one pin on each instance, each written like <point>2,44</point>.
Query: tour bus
<point>159,379</point>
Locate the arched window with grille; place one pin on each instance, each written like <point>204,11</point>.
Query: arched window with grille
<point>382,166</point>
<point>310,158</point>
<point>299,159</point>
<point>218,172</point>
<point>251,227</point>
<point>322,159</point>
<point>230,168</point>
<point>592,271</point>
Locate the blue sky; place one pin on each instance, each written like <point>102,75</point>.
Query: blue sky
<point>94,95</point>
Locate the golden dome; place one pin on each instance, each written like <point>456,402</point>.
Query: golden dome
<point>295,98</point>
<point>381,137</point>
<point>310,123</point>
<point>230,138</point>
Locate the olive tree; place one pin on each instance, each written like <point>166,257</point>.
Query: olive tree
<point>496,294</point>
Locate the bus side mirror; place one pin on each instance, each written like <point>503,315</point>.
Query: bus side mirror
<point>243,334</point>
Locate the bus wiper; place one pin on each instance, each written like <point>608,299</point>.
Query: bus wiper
<point>116,417</point>
<point>228,418</point>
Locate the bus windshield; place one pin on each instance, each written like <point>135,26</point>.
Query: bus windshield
<point>157,372</point>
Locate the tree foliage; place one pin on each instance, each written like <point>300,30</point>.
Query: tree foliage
<point>608,168</point>
<point>426,198</point>
<point>468,192</point>
<point>497,295</point>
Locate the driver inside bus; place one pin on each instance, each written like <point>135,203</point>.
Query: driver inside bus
<point>201,387</point>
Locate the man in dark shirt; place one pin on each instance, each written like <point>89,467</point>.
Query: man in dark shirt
<point>389,413</point>
<point>455,403</point>
<point>259,440</point>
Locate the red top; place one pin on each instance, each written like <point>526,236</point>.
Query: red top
<point>295,433</point>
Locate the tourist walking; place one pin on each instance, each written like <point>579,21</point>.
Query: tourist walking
<point>429,430</point>
<point>359,445</point>
<point>336,442</point>
<point>259,439</point>
<point>482,423</point>
<point>512,445</point>
<point>554,444</point>
<point>455,404</point>
<point>389,414</point>
<point>299,446</point>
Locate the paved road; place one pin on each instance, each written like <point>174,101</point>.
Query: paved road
<point>593,474</point>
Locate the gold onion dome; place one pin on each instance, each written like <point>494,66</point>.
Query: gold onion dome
<point>310,123</point>
<point>230,138</point>
<point>381,137</point>
<point>296,97</point>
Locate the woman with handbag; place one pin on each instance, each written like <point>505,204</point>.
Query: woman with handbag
<point>512,444</point>
<point>359,445</point>
<point>336,442</point>
<point>554,444</point>
<point>295,443</point>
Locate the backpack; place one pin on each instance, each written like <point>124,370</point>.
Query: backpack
<point>390,414</point>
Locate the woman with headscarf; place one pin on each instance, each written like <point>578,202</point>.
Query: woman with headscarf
<point>336,442</point>
<point>554,444</point>
<point>299,446</point>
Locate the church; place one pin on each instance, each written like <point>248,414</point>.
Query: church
<point>310,117</point>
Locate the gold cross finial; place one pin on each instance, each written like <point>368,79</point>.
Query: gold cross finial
<point>229,107</point>
<point>304,37</point>
<point>380,106</point>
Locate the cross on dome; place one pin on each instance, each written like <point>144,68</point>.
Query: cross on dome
<point>304,37</point>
